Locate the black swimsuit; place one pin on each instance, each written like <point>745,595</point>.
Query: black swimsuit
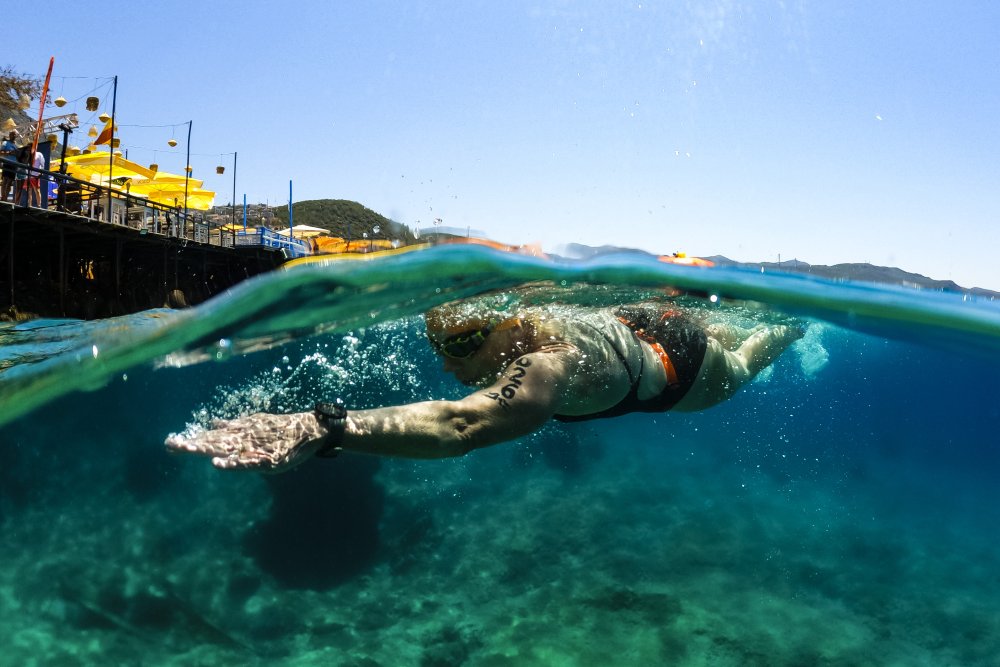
<point>682,340</point>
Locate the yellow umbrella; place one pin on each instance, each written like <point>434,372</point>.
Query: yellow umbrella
<point>172,193</point>
<point>167,177</point>
<point>201,200</point>
<point>168,189</point>
<point>198,199</point>
<point>102,165</point>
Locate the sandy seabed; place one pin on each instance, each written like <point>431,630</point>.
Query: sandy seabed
<point>686,557</point>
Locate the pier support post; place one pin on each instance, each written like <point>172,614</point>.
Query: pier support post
<point>118,275</point>
<point>166,268</point>
<point>10,257</point>
<point>62,271</point>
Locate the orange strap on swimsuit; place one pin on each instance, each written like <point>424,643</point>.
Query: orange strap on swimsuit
<point>668,366</point>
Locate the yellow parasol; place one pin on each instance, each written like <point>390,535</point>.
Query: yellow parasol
<point>166,188</point>
<point>167,177</point>
<point>172,194</point>
<point>101,165</point>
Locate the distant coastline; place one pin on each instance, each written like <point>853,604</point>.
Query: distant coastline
<point>349,218</point>
<point>862,272</point>
<point>885,275</point>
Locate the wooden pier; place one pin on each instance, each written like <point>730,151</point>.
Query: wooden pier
<point>60,264</point>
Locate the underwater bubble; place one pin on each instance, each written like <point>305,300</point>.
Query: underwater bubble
<point>224,349</point>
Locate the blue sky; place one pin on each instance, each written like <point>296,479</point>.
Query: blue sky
<point>829,132</point>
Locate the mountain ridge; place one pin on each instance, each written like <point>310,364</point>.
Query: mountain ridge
<point>859,271</point>
<point>347,218</point>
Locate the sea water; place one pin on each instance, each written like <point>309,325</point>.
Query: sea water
<point>843,509</point>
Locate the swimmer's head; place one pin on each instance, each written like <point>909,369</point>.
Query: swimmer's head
<point>458,330</point>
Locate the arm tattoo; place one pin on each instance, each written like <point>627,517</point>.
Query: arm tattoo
<point>515,380</point>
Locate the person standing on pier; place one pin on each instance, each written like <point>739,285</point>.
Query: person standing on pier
<point>8,161</point>
<point>34,179</point>
<point>21,174</point>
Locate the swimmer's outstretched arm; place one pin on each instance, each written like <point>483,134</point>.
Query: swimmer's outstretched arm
<point>525,397</point>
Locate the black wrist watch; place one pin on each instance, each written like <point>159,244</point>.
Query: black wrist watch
<point>332,415</point>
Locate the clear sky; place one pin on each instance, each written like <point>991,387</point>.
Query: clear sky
<point>825,131</point>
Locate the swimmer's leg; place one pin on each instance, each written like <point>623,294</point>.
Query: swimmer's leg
<point>765,345</point>
<point>724,372</point>
<point>730,335</point>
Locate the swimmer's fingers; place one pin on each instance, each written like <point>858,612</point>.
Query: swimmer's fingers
<point>227,455</point>
<point>223,437</point>
<point>250,461</point>
<point>206,443</point>
<point>258,460</point>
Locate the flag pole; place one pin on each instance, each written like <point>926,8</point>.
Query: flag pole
<point>41,107</point>
<point>234,190</point>
<point>187,177</point>
<point>111,144</point>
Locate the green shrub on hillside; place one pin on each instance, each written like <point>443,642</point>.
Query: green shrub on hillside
<point>343,218</point>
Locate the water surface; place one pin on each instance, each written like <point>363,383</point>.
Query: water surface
<point>841,510</point>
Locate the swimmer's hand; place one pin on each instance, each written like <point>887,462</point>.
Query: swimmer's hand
<point>260,442</point>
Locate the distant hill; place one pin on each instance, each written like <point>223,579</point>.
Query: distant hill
<point>580,251</point>
<point>884,275</point>
<point>342,217</point>
<point>863,272</point>
<point>349,218</point>
<point>444,230</point>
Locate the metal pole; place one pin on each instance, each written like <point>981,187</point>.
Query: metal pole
<point>61,199</point>
<point>65,127</point>
<point>234,192</point>
<point>111,144</point>
<point>10,257</point>
<point>187,177</point>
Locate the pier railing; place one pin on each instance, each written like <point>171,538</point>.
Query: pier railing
<point>262,236</point>
<point>117,206</point>
<point>114,205</point>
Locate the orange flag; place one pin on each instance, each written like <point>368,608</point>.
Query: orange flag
<point>105,136</point>
<point>41,106</point>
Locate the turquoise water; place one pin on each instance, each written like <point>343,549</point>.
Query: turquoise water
<point>841,510</point>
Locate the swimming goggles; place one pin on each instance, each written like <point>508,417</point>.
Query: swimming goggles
<point>463,345</point>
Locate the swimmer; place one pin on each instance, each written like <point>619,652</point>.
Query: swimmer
<point>529,365</point>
